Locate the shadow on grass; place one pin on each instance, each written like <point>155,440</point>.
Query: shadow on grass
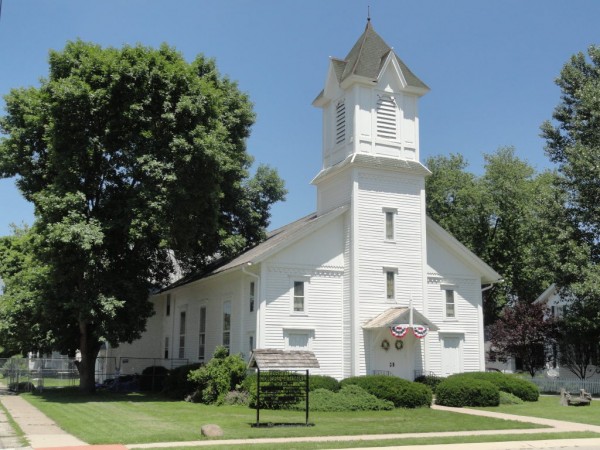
<point>74,395</point>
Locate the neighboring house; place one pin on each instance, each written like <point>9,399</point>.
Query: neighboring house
<point>558,305</point>
<point>369,283</point>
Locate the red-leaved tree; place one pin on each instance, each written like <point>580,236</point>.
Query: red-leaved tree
<point>524,331</point>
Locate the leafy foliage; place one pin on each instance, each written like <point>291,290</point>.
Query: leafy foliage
<point>402,393</point>
<point>461,391</point>
<point>323,382</point>
<point>177,385</point>
<point>349,398</point>
<point>222,374</point>
<point>525,390</point>
<point>579,338</point>
<point>508,217</point>
<point>429,380</point>
<point>573,142</point>
<point>523,331</point>
<point>131,157</point>
<point>153,378</point>
<point>506,398</point>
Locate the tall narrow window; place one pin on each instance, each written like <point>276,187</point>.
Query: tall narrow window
<point>227,325</point>
<point>250,344</point>
<point>202,334</point>
<point>299,296</point>
<point>386,117</point>
<point>168,306</point>
<point>166,347</point>
<point>182,334</point>
<point>450,305</point>
<point>390,284</point>
<point>252,288</point>
<point>340,122</point>
<point>389,225</point>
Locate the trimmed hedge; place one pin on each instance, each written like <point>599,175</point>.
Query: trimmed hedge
<point>402,393</point>
<point>429,380</point>
<point>153,378</point>
<point>177,384</point>
<point>323,382</point>
<point>349,398</point>
<point>462,391</point>
<point>523,389</point>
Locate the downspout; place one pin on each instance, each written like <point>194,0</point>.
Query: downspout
<point>487,288</point>
<point>256,302</point>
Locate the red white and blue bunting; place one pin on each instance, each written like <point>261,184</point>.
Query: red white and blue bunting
<point>399,331</point>
<point>420,331</point>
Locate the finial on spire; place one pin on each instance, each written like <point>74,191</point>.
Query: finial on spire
<point>368,13</point>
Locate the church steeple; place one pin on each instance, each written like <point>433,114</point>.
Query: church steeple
<point>370,109</point>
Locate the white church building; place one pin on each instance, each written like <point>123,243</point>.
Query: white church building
<point>368,282</point>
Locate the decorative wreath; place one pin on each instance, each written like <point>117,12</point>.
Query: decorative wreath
<point>385,344</point>
<point>399,344</point>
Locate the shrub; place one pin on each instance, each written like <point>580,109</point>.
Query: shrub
<point>222,374</point>
<point>323,382</point>
<point>241,398</point>
<point>177,384</point>
<point>153,378</point>
<point>460,391</point>
<point>402,393</point>
<point>507,398</point>
<point>429,380</point>
<point>523,389</point>
<point>349,398</point>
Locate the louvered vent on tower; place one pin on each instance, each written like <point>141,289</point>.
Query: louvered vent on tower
<point>340,122</point>
<point>386,117</point>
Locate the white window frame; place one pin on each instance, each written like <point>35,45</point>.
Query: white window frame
<point>202,333</point>
<point>390,272</point>
<point>305,281</point>
<point>182,331</point>
<point>168,305</point>
<point>226,336</point>
<point>389,232</point>
<point>166,349</point>
<point>252,295</point>
<point>308,333</point>
<point>446,289</point>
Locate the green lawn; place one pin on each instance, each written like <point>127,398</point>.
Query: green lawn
<point>109,418</point>
<point>391,443</point>
<point>549,407</point>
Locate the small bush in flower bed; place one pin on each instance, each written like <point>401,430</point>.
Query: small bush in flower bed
<point>349,398</point>
<point>461,391</point>
<point>523,389</point>
<point>401,392</point>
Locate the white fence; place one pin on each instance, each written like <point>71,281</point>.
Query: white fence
<point>573,385</point>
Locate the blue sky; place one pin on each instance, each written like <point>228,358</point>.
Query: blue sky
<point>490,65</point>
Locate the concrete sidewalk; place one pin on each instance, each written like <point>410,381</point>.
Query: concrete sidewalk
<point>40,431</point>
<point>43,434</point>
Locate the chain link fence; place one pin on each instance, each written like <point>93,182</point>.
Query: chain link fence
<point>118,374</point>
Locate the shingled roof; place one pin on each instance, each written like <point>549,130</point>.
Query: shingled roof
<point>366,59</point>
<point>273,359</point>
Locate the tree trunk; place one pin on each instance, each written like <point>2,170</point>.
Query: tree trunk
<point>89,348</point>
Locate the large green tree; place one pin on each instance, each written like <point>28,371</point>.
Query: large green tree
<point>507,216</point>
<point>573,143</point>
<point>133,158</point>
